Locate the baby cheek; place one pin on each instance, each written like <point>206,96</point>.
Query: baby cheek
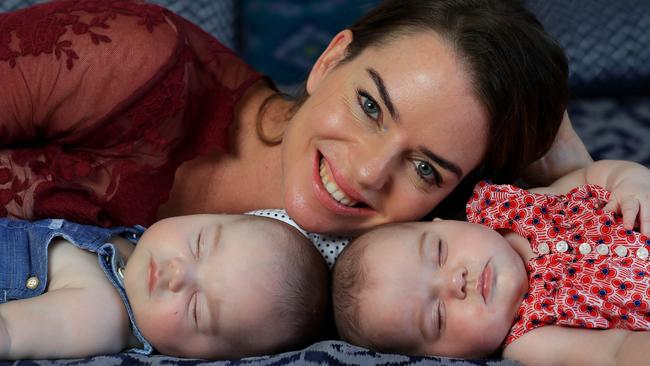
<point>162,325</point>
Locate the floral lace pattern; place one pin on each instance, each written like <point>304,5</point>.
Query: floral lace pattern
<point>590,272</point>
<point>101,101</point>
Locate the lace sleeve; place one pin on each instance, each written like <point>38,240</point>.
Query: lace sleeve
<point>101,101</point>
<point>65,66</point>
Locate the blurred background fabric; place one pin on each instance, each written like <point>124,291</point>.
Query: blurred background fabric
<point>283,38</point>
<point>607,43</point>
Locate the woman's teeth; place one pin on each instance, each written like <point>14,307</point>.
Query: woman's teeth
<point>332,188</point>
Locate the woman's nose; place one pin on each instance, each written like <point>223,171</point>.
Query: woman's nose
<point>377,161</point>
<point>180,274</point>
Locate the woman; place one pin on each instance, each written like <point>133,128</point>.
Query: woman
<point>121,113</point>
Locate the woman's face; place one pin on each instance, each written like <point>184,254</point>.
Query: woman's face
<point>383,137</point>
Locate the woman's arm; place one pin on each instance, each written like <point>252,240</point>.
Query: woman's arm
<point>89,99</point>
<point>567,154</point>
<point>68,66</point>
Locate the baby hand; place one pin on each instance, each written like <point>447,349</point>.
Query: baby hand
<point>630,197</point>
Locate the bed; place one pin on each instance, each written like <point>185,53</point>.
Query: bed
<point>321,353</point>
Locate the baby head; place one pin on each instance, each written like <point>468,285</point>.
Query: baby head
<point>445,288</point>
<point>225,286</point>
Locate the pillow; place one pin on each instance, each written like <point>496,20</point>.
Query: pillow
<point>607,43</point>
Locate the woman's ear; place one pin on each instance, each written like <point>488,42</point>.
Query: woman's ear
<point>335,53</point>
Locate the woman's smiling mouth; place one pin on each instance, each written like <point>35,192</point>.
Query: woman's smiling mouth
<point>332,188</point>
<point>335,194</point>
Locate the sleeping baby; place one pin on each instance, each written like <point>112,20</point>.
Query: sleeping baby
<point>201,286</point>
<point>544,277</point>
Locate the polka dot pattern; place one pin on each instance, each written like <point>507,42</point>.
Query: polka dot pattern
<point>329,246</point>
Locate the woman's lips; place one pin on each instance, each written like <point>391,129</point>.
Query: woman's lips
<point>327,200</point>
<point>484,283</point>
<point>153,274</point>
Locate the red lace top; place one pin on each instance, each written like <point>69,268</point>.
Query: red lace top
<point>101,101</point>
<point>590,272</point>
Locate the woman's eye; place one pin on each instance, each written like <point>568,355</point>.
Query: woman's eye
<point>368,105</point>
<point>427,172</point>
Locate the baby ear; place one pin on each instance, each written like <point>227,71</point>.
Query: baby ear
<point>335,53</point>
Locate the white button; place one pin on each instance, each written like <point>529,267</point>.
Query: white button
<point>620,251</point>
<point>584,248</point>
<point>642,253</point>
<point>602,249</point>
<point>32,283</point>
<point>561,246</point>
<point>543,248</point>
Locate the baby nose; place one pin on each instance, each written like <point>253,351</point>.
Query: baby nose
<point>454,283</point>
<point>459,283</point>
<point>179,273</point>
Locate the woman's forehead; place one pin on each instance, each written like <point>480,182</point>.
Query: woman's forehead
<point>431,91</point>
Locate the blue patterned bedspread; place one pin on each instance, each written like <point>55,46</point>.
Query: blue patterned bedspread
<point>322,353</point>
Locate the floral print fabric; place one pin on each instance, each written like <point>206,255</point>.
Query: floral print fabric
<point>101,101</point>
<point>590,272</point>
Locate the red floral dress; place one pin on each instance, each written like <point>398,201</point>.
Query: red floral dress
<point>590,272</point>
<point>101,101</point>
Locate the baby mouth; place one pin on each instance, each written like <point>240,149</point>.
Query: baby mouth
<point>332,188</point>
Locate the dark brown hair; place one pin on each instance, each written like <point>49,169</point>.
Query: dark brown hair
<point>302,302</point>
<point>348,278</point>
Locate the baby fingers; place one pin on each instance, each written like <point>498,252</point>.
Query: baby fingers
<point>635,209</point>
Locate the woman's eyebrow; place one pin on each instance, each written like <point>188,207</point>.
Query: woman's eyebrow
<point>444,163</point>
<point>383,93</point>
